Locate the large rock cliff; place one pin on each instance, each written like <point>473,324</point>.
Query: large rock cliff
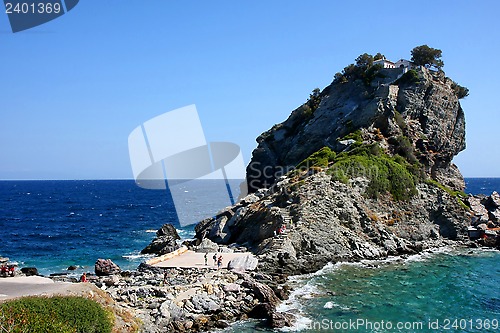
<point>421,105</point>
<point>362,170</point>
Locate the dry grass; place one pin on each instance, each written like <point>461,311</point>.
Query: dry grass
<point>125,321</point>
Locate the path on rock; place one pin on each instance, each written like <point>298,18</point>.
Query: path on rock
<point>191,259</point>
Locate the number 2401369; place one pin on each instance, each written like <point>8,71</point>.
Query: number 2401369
<point>32,8</point>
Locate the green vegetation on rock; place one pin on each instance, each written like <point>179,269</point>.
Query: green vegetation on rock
<point>318,159</point>
<point>427,56</point>
<point>383,171</point>
<point>459,195</point>
<point>410,77</point>
<point>54,314</point>
<point>356,136</point>
<point>387,174</point>
<point>363,69</point>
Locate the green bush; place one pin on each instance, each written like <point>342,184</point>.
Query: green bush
<point>339,78</point>
<point>383,172</point>
<point>318,159</point>
<point>356,136</point>
<point>55,314</point>
<point>405,148</point>
<point>409,77</point>
<point>398,118</point>
<point>371,73</point>
<point>314,99</point>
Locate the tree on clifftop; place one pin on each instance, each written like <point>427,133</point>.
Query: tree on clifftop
<point>364,61</point>
<point>378,56</point>
<point>427,56</point>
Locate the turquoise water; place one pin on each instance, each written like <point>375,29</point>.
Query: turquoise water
<point>447,291</point>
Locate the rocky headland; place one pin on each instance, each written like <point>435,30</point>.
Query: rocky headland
<point>362,170</point>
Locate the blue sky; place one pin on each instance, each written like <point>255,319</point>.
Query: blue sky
<point>73,89</point>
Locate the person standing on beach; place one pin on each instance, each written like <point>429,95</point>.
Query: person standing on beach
<point>83,278</point>
<point>219,262</point>
<point>215,258</point>
<point>206,258</point>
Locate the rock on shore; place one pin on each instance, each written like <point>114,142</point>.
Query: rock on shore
<point>486,217</point>
<point>191,299</point>
<point>165,241</point>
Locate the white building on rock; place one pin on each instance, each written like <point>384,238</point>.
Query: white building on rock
<point>401,63</point>
<point>385,63</point>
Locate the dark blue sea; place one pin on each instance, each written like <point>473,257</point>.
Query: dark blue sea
<point>54,224</point>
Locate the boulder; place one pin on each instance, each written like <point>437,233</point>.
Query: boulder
<point>204,303</point>
<point>493,200</point>
<point>165,309</point>
<point>238,215</point>
<point>29,271</point>
<point>231,287</point>
<point>112,281</point>
<point>494,215</point>
<point>220,232</point>
<point>207,245</point>
<point>165,241</point>
<point>161,245</point>
<point>221,324</point>
<point>480,212</point>
<point>264,293</point>
<point>241,264</point>
<point>482,226</point>
<point>72,268</point>
<point>262,311</point>
<point>105,267</point>
<point>282,319</point>
<point>249,199</point>
<point>168,230</point>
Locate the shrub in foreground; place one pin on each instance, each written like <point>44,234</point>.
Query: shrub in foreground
<point>55,314</point>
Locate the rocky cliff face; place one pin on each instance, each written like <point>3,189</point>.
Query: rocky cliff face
<point>329,221</point>
<point>384,185</point>
<point>420,105</point>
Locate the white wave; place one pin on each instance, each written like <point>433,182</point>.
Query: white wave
<point>430,253</point>
<point>137,256</point>
<point>293,302</point>
<point>185,234</point>
<point>150,230</point>
<point>301,323</point>
<point>329,305</point>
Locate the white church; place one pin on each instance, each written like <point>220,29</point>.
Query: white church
<point>401,63</point>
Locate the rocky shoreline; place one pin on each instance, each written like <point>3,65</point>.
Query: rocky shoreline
<point>194,300</point>
<point>197,300</point>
